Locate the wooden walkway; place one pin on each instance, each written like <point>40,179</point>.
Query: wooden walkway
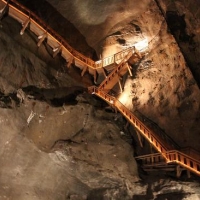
<point>45,33</point>
<point>188,159</point>
<point>170,155</point>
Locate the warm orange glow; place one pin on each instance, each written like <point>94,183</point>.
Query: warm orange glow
<point>149,135</point>
<point>178,157</point>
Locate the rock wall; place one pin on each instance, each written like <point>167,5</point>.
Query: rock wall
<point>58,142</point>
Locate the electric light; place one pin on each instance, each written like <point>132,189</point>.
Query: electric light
<point>141,45</point>
<point>124,96</point>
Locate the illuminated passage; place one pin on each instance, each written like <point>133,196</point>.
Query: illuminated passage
<point>59,45</point>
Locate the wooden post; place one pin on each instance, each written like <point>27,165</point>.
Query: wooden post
<point>151,155</point>
<point>84,70</point>
<point>56,51</point>
<point>104,73</point>
<point>41,39</point>
<point>120,84</point>
<point>95,76</point>
<point>140,139</point>
<point>129,69</point>
<point>70,62</point>
<point>178,171</point>
<point>115,109</point>
<point>188,174</point>
<point>126,126</point>
<point>25,24</point>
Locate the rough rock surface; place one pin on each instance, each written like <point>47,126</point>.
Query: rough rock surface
<point>58,142</point>
<point>163,89</point>
<point>53,139</point>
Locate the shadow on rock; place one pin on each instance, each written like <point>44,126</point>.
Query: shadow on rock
<point>54,96</point>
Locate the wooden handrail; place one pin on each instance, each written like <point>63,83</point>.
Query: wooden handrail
<point>25,11</point>
<point>153,159</point>
<point>103,95</point>
<point>87,61</point>
<point>184,160</point>
<point>159,132</point>
<point>171,156</point>
<point>157,142</point>
<point>149,135</point>
<point>117,69</point>
<point>143,157</point>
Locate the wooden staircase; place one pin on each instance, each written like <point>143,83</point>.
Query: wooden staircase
<point>167,152</point>
<point>115,75</point>
<point>59,45</point>
<point>189,160</point>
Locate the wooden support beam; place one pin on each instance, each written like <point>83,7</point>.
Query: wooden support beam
<point>104,73</point>
<point>140,139</point>
<point>25,24</point>
<point>129,69</point>
<point>56,51</point>
<point>151,156</point>
<point>71,60</point>
<point>126,126</point>
<point>188,174</point>
<point>120,84</point>
<point>95,76</point>
<point>178,171</point>
<point>41,39</point>
<point>84,70</point>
